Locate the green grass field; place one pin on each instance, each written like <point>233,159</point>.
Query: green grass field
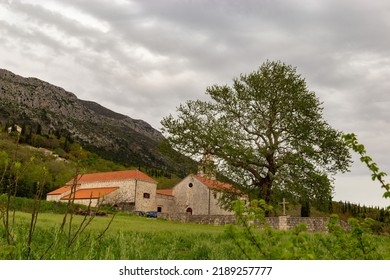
<point>128,237</point>
<point>138,238</point>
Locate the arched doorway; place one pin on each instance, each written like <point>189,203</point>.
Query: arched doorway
<point>189,211</point>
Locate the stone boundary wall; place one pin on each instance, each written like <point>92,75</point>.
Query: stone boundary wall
<point>199,219</point>
<point>314,224</point>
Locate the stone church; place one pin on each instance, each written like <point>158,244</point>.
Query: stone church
<point>133,190</point>
<point>196,195</point>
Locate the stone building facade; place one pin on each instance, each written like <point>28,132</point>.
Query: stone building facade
<point>165,201</point>
<point>197,195</point>
<point>130,190</point>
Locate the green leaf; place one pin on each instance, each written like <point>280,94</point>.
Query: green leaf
<point>373,167</point>
<point>366,159</point>
<point>386,194</point>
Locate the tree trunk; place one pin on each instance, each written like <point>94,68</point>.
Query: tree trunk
<point>264,187</point>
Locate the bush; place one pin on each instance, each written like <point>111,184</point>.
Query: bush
<point>23,204</point>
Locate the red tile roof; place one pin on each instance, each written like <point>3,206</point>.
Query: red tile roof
<point>213,184</point>
<point>113,176</point>
<point>91,193</point>
<point>60,190</point>
<point>165,192</point>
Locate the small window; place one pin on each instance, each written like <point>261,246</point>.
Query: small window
<point>190,185</point>
<point>146,195</point>
<point>159,209</point>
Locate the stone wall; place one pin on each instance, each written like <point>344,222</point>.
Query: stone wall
<point>165,203</point>
<point>199,219</point>
<point>286,222</point>
<point>314,224</point>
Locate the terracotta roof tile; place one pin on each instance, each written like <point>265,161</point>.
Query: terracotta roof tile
<point>214,184</point>
<point>60,190</point>
<point>165,192</point>
<point>91,193</point>
<point>113,176</point>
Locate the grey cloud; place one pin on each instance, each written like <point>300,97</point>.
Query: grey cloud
<point>155,55</point>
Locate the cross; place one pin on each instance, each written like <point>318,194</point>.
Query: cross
<point>284,206</point>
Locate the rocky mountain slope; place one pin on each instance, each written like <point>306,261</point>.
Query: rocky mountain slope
<point>35,103</point>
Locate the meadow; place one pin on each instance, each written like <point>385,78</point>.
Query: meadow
<point>128,237</point>
<point>132,237</point>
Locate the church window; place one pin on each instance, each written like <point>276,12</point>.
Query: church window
<point>146,195</point>
<point>190,185</point>
<point>159,209</point>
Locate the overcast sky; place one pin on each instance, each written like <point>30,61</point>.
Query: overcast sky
<point>144,58</point>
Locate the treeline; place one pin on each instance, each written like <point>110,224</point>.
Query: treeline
<point>156,172</point>
<point>350,210</point>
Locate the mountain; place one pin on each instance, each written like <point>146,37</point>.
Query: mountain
<point>42,106</point>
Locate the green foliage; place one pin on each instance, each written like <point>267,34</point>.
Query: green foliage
<point>356,243</point>
<point>376,175</point>
<point>23,204</point>
<point>257,240</point>
<point>267,133</point>
<point>32,160</point>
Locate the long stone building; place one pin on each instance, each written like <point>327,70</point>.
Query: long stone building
<point>130,189</point>
<point>133,190</point>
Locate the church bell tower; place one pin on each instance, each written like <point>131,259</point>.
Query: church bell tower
<point>207,168</point>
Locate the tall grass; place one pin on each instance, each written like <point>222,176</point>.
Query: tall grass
<point>129,237</point>
<point>139,238</point>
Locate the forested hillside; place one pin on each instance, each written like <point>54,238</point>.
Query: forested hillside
<point>53,159</point>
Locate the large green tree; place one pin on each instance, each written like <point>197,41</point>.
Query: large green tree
<point>266,132</point>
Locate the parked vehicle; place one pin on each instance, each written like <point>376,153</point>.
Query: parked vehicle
<point>151,214</point>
